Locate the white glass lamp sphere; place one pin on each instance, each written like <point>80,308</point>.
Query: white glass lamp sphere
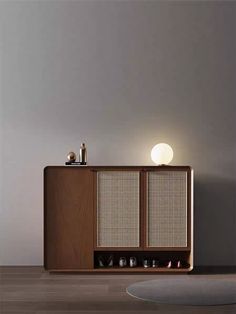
<point>162,154</point>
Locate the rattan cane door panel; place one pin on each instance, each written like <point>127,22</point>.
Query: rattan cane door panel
<point>167,209</point>
<point>118,209</point>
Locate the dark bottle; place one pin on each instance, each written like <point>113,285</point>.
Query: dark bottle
<point>83,154</point>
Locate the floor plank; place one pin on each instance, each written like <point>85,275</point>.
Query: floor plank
<point>31,290</point>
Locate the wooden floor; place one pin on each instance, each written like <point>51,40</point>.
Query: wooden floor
<point>32,290</point>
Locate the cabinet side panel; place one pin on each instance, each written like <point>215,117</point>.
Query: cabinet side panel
<point>68,219</point>
<point>167,209</point>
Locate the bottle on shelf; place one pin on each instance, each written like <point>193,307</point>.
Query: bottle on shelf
<point>101,262</point>
<point>133,261</point>
<point>83,154</point>
<point>146,263</point>
<point>110,261</point>
<point>122,262</point>
<point>155,263</point>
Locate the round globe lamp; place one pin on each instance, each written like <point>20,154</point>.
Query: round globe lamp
<point>162,154</point>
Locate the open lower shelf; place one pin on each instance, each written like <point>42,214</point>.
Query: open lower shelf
<point>161,257</point>
<point>109,261</point>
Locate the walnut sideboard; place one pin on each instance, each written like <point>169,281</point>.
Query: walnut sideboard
<point>94,213</point>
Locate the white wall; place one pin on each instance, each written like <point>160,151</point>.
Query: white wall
<point>121,76</point>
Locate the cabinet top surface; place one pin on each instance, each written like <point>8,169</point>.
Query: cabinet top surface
<point>136,167</point>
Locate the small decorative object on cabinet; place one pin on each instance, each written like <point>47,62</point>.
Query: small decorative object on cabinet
<point>71,157</point>
<point>83,154</point>
<point>118,219</point>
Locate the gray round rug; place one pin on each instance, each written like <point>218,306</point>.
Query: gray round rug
<point>186,291</point>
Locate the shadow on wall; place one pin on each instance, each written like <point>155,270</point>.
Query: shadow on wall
<point>215,221</point>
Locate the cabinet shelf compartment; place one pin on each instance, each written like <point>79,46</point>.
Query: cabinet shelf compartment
<point>163,257</point>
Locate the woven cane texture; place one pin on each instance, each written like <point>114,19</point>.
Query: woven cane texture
<point>167,209</point>
<point>118,209</point>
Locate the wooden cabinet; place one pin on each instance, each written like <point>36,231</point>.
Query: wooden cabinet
<point>103,212</point>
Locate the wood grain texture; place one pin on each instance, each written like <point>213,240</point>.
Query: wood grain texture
<point>125,270</point>
<point>31,290</point>
<point>68,218</point>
